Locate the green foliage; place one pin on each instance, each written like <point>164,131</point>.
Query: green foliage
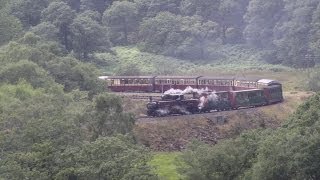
<point>313,82</point>
<point>45,134</point>
<point>285,31</point>
<point>290,152</point>
<point>121,20</point>
<point>107,158</point>
<point>262,17</point>
<point>166,165</point>
<point>12,73</point>
<point>224,59</point>
<point>61,15</point>
<point>28,11</point>
<point>88,34</point>
<point>47,31</point>
<point>291,40</point>
<point>227,160</point>
<point>65,70</point>
<point>106,117</point>
<point>10,27</point>
<point>161,34</point>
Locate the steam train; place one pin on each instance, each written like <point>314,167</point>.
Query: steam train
<point>219,101</point>
<point>222,93</point>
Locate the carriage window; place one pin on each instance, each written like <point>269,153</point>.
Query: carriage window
<point>218,82</point>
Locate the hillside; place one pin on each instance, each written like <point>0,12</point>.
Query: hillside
<point>58,120</point>
<point>289,151</point>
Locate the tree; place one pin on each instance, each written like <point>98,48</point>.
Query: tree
<point>89,35</point>
<point>41,137</point>
<point>226,160</point>
<point>107,158</point>
<point>261,18</point>
<point>199,33</point>
<point>106,117</point>
<point>47,31</point>
<point>61,15</point>
<point>150,8</point>
<point>161,34</point>
<point>10,27</point>
<point>29,71</point>
<point>95,5</point>
<point>292,34</point>
<point>231,20</point>
<point>128,69</point>
<point>3,4</point>
<point>121,20</point>
<point>291,152</point>
<point>315,33</point>
<point>208,9</point>
<point>28,11</point>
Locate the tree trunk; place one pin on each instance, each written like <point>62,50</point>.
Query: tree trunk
<point>125,32</point>
<point>224,29</point>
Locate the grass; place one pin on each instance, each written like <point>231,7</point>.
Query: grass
<point>166,166</point>
<point>226,60</point>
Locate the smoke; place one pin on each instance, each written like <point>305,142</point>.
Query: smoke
<point>206,100</point>
<point>163,112</point>
<point>181,110</point>
<point>188,90</point>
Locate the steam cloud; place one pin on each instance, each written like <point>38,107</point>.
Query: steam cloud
<point>188,90</point>
<point>203,101</point>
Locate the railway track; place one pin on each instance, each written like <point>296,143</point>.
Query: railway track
<point>140,96</point>
<point>218,113</point>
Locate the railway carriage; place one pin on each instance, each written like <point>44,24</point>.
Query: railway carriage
<point>130,83</point>
<point>248,98</point>
<point>245,83</point>
<point>216,83</point>
<point>164,83</point>
<point>272,90</point>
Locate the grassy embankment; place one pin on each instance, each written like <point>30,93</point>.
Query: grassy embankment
<point>166,165</point>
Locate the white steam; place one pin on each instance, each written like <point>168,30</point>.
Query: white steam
<point>188,90</point>
<point>205,100</point>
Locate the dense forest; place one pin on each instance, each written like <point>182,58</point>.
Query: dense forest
<point>57,121</point>
<point>287,31</point>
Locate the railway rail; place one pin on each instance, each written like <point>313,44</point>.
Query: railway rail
<point>139,96</point>
<point>146,118</point>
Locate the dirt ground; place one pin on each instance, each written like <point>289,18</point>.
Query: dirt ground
<point>173,133</point>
